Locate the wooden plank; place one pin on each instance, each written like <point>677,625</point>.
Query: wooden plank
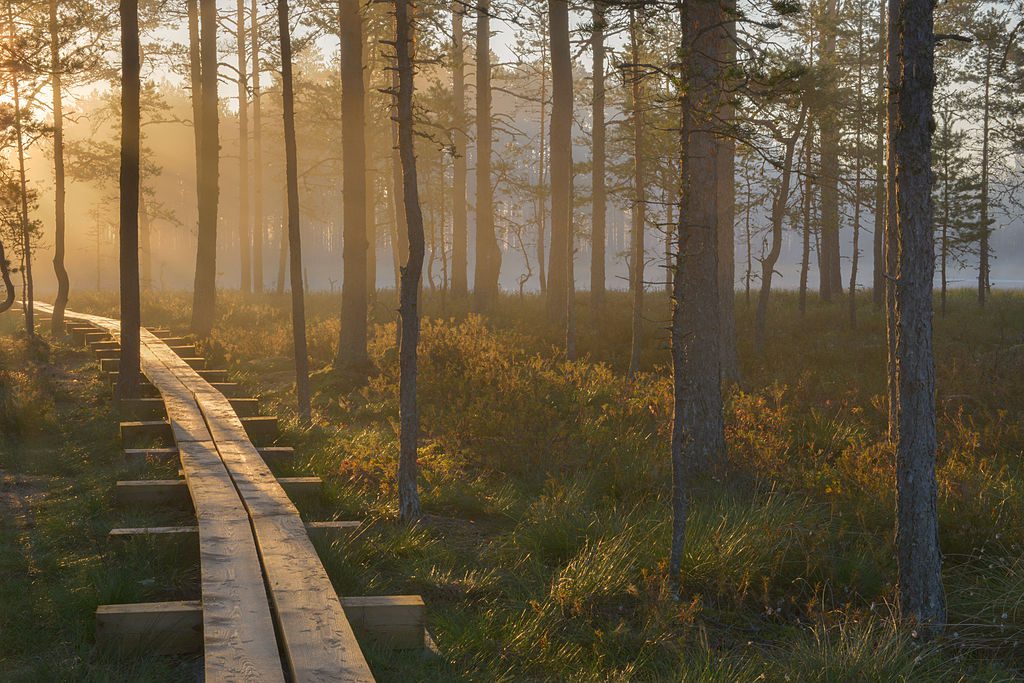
<point>214,375</point>
<point>396,620</point>
<point>191,532</point>
<point>317,640</point>
<point>141,409</point>
<point>138,433</point>
<point>167,628</point>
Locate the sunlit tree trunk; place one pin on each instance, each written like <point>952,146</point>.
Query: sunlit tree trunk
<point>302,391</point>
<point>488,255</point>
<point>599,213</point>
<point>352,343</point>
<point>129,367</point>
<point>204,300</point>
<point>259,225</point>
<point>408,494</point>
<point>561,160</point>
<point>460,217</point>
<point>637,251</point>
<point>244,239</point>
<point>26,224</point>
<point>60,302</point>
<point>922,600</point>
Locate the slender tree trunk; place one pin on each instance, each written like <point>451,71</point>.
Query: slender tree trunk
<point>890,246</point>
<point>460,217</point>
<point>599,212</point>
<point>371,169</point>
<point>857,184</point>
<point>352,343</point>
<point>542,163</point>
<point>983,248</point>
<point>637,255</point>
<point>5,274</point>
<point>130,363</point>
<point>408,495</point>
<point>204,300</point>
<point>282,244</point>
<point>145,241</point>
<point>244,238</point>
<point>947,132</point>
<point>196,82</point>
<point>26,224</point>
<point>778,216</point>
<point>259,224</point>
<point>748,275</point>
<point>400,243</point>
<point>60,222</point>
<point>805,253</point>
<point>302,390</point>
<point>878,279</point>
<point>726,190</point>
<point>698,433</point>
<point>922,598</point>
<point>488,255</point>
<point>561,159</point>
<point>829,264</point>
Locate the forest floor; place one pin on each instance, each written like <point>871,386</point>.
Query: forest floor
<point>545,482</point>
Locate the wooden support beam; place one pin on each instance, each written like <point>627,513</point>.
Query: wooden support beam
<point>174,492</point>
<point>152,408</point>
<point>261,429</point>
<point>229,389</point>
<point>176,628</point>
<point>112,363</point>
<point>395,620</point>
<point>166,628</point>
<point>192,532</point>
<point>272,455</point>
<point>214,375</point>
<point>141,433</point>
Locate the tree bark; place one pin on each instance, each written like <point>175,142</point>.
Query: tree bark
<point>922,599</point>
<point>244,234</point>
<point>831,277</point>
<point>890,246</point>
<point>561,160</point>
<point>637,251</point>
<point>878,239</point>
<point>698,432</point>
<point>204,302</point>
<point>488,255</point>
<point>983,248</point>
<point>726,191</point>
<point>599,199</point>
<point>805,254</point>
<point>352,343</point>
<point>408,495</point>
<point>26,224</point>
<point>60,302</point>
<point>302,390</point>
<point>259,226</point>
<point>130,363</point>
<point>460,217</point>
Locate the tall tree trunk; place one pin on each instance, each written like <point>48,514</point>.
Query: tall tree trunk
<point>60,222</point>
<point>857,182</point>
<point>878,279</point>
<point>399,245</point>
<point>542,163</point>
<point>561,159</point>
<point>408,495</point>
<point>778,216</point>
<point>599,199</point>
<point>890,246</point>
<point>983,248</point>
<point>196,83</point>
<point>130,363</point>
<point>805,253</point>
<point>302,390</point>
<point>922,598</point>
<point>460,218</point>
<point>26,224</point>
<point>829,264</point>
<point>9,289</point>
<point>259,225</point>
<point>726,190</point>
<point>488,255</point>
<point>352,342</point>
<point>282,245</point>
<point>204,301</point>
<point>371,170</point>
<point>698,432</point>
<point>638,251</point>
<point>145,241</point>
<point>244,239</point>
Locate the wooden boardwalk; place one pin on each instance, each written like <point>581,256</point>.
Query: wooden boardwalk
<point>268,608</point>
